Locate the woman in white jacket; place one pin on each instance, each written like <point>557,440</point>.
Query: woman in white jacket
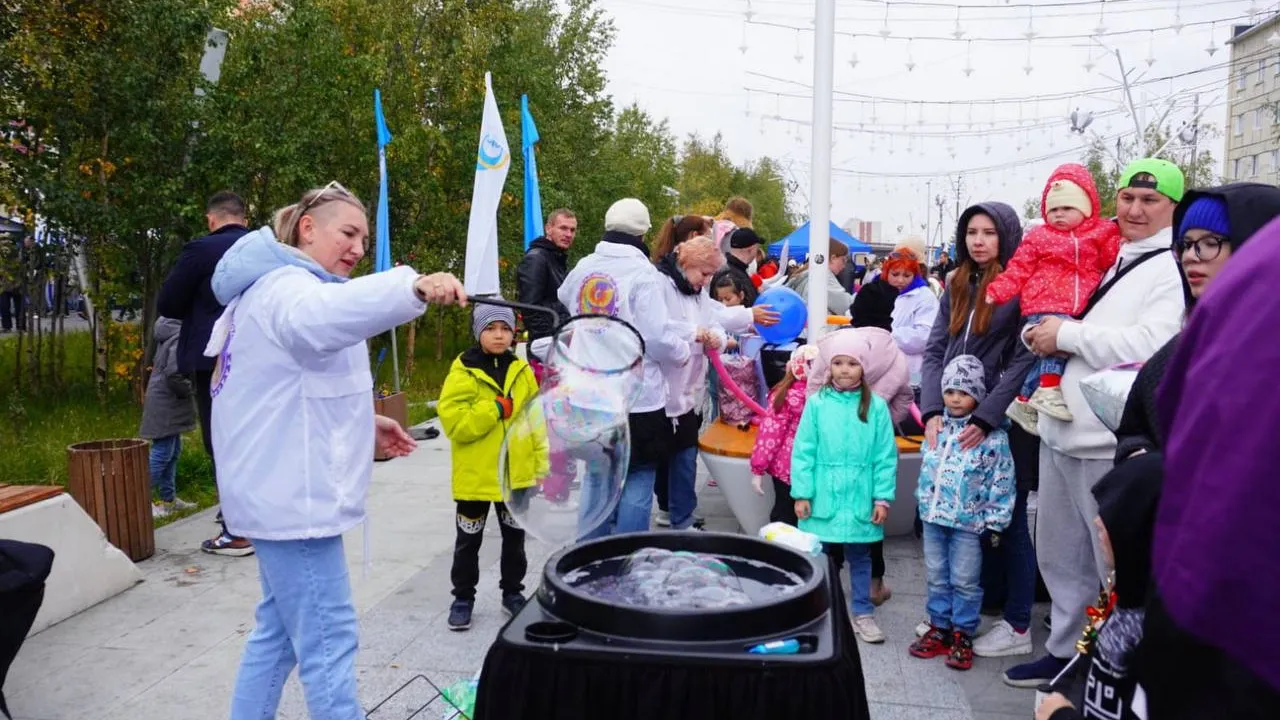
<point>294,432</point>
<point>914,310</point>
<point>691,316</point>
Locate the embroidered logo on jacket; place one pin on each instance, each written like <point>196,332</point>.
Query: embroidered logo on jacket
<point>599,295</point>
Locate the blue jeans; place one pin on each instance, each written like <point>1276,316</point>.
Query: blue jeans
<point>306,618</point>
<point>682,471</point>
<point>634,508</point>
<point>953,559</point>
<point>1052,365</point>
<point>858,555</point>
<point>164,466</point>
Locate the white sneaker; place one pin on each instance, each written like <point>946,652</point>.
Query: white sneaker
<point>1002,641</point>
<point>183,505</point>
<point>160,510</point>
<point>865,627</point>
<point>663,519</point>
<point>923,628</point>
<point>1021,412</point>
<point>1051,402</point>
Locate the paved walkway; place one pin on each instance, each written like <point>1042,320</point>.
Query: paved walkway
<point>169,648</point>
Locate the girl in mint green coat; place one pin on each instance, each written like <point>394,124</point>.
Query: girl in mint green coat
<point>844,466</point>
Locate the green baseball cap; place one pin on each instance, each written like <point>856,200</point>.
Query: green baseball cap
<point>1160,175</point>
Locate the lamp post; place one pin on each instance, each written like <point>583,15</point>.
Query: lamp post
<point>824,40</point>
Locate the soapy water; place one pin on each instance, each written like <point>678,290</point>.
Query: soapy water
<point>681,580</point>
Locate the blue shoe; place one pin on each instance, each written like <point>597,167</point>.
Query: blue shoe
<point>460,615</point>
<point>1034,673</point>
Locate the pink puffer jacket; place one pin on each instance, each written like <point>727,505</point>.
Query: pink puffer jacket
<point>777,434</point>
<point>884,370</point>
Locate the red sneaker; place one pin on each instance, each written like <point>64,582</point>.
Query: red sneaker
<point>961,657</point>
<point>934,643</point>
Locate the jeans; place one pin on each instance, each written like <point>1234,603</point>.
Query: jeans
<point>634,508</point>
<point>682,471</point>
<point>465,573</point>
<point>1009,570</point>
<point>1052,365</point>
<point>306,618</point>
<point>953,560</point>
<point>858,555</point>
<point>597,491</point>
<point>164,466</point>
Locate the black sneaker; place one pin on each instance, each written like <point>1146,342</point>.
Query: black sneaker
<point>460,615</point>
<point>512,604</point>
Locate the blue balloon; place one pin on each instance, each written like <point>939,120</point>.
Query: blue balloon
<point>791,307</point>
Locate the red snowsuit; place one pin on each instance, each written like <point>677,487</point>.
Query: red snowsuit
<point>1054,272</point>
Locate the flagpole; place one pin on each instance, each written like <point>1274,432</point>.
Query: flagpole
<point>382,247</point>
<point>820,167</point>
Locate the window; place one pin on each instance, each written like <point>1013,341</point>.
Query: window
<point>1237,125</point>
<point>1278,63</point>
<point>1262,71</point>
<point>1257,118</point>
<point>1249,166</point>
<point>1243,79</point>
<point>1275,162</point>
<point>1235,169</point>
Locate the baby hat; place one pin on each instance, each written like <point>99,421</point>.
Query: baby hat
<point>484,314</point>
<point>802,360</point>
<point>1207,212</point>
<point>966,374</point>
<point>1064,193</point>
<point>629,216</point>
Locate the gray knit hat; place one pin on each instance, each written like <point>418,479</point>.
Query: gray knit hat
<point>966,374</point>
<point>484,314</point>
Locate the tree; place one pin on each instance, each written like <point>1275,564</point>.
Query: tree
<point>1106,162</point>
<point>1031,209</point>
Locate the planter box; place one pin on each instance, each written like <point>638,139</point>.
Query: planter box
<point>111,480</point>
<point>396,407</point>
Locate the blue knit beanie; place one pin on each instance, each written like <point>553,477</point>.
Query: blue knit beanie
<point>1207,212</point>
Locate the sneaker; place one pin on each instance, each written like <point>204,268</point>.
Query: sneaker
<point>182,505</point>
<point>227,545</point>
<point>512,604</point>
<point>961,657</point>
<point>663,519</point>
<point>880,592</point>
<point>1032,674</point>
<point>1051,402</point>
<point>1003,641</point>
<point>865,627</point>
<point>460,615</point>
<point>161,510</point>
<point>933,643</point>
<point>923,628</point>
<point>1021,412</point>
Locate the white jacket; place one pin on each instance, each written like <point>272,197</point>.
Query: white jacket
<point>913,316</point>
<point>687,384</point>
<point>292,418</point>
<point>619,280</point>
<point>1136,318</point>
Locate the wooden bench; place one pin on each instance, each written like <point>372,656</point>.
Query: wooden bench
<point>13,497</point>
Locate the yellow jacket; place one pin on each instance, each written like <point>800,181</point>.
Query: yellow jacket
<point>470,417</point>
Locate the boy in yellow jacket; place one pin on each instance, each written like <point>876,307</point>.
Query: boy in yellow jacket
<point>486,386</point>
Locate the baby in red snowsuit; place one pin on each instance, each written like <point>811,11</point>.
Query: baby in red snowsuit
<point>1054,271</point>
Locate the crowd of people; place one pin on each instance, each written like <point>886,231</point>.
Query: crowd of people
<point>994,362</point>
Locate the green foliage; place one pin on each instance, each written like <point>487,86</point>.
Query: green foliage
<point>708,178</point>
<point>1106,161</point>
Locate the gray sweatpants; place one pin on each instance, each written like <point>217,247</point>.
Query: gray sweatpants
<point>1067,543</point>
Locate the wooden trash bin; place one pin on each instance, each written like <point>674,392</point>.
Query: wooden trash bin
<point>111,479</point>
<point>396,407</point>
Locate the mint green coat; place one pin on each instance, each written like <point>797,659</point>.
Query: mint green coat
<point>842,466</point>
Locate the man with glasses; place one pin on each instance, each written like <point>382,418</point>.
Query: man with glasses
<point>539,274</point>
<point>1136,309</point>
<point>188,296</point>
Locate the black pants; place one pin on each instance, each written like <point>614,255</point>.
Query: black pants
<point>11,309</point>
<point>784,507</point>
<point>204,406</point>
<point>470,522</point>
<point>661,489</point>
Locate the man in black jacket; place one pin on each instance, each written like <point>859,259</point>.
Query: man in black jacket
<point>540,272</point>
<point>188,296</point>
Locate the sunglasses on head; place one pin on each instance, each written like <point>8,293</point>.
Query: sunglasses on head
<point>333,185</point>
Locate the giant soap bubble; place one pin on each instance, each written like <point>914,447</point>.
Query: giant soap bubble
<point>565,455</point>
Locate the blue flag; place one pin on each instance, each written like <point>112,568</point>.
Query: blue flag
<point>382,253</point>
<point>532,196</point>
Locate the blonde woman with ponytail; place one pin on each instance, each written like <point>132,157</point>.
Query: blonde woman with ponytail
<point>294,433</point>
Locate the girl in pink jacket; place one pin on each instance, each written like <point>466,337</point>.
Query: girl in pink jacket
<point>774,439</point>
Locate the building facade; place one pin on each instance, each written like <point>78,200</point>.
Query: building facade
<point>1253,108</point>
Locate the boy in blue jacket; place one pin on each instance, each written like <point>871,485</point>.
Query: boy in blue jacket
<point>961,494</point>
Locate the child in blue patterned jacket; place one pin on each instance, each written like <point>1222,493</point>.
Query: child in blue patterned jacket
<point>962,493</point>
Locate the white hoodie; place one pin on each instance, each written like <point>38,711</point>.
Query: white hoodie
<point>913,315</point>
<point>1129,324</point>
<point>687,385</point>
<point>619,280</point>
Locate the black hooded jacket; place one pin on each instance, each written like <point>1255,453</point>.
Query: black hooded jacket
<point>1003,355</point>
<point>538,277</point>
<point>1250,206</point>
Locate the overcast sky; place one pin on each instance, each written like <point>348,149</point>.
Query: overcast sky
<point>683,60</point>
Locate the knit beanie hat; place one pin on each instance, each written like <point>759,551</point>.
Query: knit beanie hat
<point>1207,212</point>
<point>1064,193</point>
<point>485,314</point>
<point>873,305</point>
<point>966,374</point>
<point>628,216</point>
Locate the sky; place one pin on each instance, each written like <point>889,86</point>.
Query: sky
<point>911,123</point>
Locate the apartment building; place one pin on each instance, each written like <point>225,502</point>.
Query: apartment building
<point>1253,115</point>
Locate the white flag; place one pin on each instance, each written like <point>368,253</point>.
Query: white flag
<point>493,159</point>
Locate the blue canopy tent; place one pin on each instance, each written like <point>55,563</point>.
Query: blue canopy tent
<point>799,239</point>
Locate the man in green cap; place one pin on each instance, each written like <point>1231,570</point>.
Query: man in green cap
<point>1136,309</point>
